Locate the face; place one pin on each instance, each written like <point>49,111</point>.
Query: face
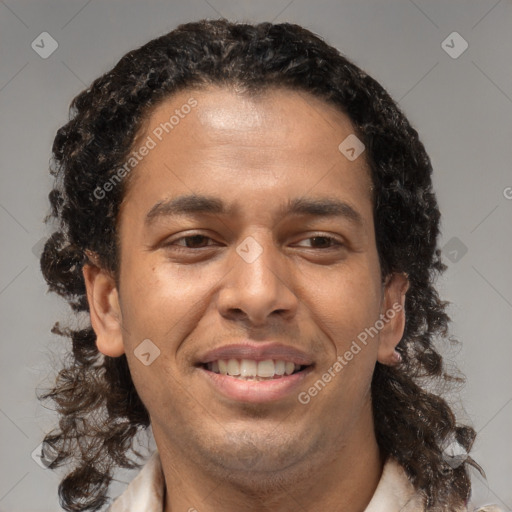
<point>248,247</point>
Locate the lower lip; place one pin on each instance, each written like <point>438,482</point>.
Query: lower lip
<point>254,391</point>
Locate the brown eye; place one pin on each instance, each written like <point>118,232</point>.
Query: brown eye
<point>193,241</point>
<point>323,242</point>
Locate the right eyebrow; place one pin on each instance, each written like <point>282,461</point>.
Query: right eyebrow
<point>185,205</point>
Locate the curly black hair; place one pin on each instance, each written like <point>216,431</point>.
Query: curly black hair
<point>100,410</point>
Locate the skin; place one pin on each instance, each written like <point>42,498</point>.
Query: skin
<point>255,154</point>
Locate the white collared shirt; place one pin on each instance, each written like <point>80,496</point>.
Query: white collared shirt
<point>394,492</point>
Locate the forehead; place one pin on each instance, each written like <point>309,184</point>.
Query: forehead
<point>225,113</point>
<point>279,141</point>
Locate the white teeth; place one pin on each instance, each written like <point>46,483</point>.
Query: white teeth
<point>266,368</point>
<point>250,369</point>
<point>234,367</point>
<point>279,367</point>
<point>223,366</point>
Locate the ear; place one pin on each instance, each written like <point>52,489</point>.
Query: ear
<point>393,317</point>
<point>104,309</point>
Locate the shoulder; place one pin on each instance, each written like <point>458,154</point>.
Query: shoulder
<point>396,492</point>
<point>145,491</point>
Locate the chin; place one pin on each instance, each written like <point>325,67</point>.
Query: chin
<point>263,473</point>
<point>261,454</point>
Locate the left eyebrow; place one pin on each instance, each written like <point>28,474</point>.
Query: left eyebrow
<point>324,207</point>
<point>199,204</point>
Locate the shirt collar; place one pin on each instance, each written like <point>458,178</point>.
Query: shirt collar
<point>146,491</point>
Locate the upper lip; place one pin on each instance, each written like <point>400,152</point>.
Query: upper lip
<point>257,351</point>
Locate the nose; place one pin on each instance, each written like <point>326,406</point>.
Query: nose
<point>258,290</point>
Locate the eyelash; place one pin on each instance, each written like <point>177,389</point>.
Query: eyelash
<point>334,242</point>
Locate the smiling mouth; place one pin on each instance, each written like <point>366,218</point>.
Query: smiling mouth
<point>251,370</point>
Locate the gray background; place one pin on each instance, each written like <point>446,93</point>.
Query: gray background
<point>462,108</point>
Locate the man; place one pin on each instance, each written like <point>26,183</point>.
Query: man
<point>249,221</point>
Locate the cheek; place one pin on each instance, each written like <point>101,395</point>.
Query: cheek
<point>345,302</point>
<point>163,304</point>
<point>354,310</point>
<point>162,301</point>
